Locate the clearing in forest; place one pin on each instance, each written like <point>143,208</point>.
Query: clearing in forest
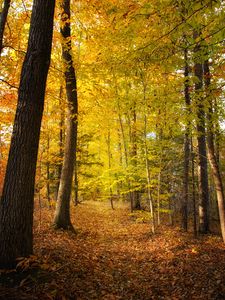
<point>113,257</point>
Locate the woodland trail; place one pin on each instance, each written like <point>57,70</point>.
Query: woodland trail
<point>113,257</point>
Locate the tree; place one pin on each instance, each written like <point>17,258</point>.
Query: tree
<point>62,213</point>
<point>186,144</point>
<point>3,19</point>
<point>16,206</point>
<point>211,150</point>
<point>201,138</point>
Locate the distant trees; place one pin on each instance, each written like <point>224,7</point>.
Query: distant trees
<point>16,206</point>
<point>151,100</point>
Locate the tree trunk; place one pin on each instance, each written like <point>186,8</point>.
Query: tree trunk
<point>48,174</point>
<point>61,141</point>
<point>186,146</point>
<point>158,195</point>
<point>125,151</point>
<point>148,177</point>
<point>135,194</point>
<point>76,183</point>
<point>16,206</point>
<point>3,19</point>
<point>201,138</point>
<point>108,141</point>
<point>193,190</point>
<point>62,214</point>
<point>212,153</point>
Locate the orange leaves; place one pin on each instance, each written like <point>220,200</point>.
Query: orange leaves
<point>194,251</point>
<point>112,257</point>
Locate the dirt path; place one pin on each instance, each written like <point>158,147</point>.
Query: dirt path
<point>112,257</point>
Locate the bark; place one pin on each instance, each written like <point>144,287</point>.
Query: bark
<point>186,145</point>
<point>201,138</point>
<point>16,206</point>
<point>48,174</point>
<point>3,20</point>
<point>108,141</point>
<point>62,213</point>
<point>136,204</point>
<point>76,183</point>
<point>158,195</point>
<point>193,190</point>
<point>212,153</point>
<point>159,137</point>
<point>147,167</point>
<point>124,147</point>
<point>148,177</point>
<point>119,185</point>
<point>126,158</point>
<point>61,140</point>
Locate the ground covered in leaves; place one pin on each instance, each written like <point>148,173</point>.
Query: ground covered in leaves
<point>113,257</point>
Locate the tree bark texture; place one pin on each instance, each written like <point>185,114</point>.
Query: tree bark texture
<point>76,182</point>
<point>62,214</point>
<point>16,206</point>
<point>201,138</point>
<point>193,190</point>
<point>108,141</point>
<point>186,145</point>
<point>61,141</point>
<point>148,177</point>
<point>212,153</point>
<point>147,167</point>
<point>3,20</point>
<point>136,204</point>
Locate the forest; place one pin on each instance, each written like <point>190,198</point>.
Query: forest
<point>112,149</point>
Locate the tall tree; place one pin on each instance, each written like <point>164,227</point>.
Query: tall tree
<point>201,138</point>
<point>3,19</point>
<point>16,206</point>
<point>211,150</point>
<point>136,204</point>
<point>62,213</point>
<point>186,144</point>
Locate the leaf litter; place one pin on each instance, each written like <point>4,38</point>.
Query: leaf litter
<point>112,257</point>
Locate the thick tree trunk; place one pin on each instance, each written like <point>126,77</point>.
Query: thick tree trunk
<point>201,138</point>
<point>62,214</point>
<point>212,153</point>
<point>186,145</point>
<point>16,206</point>
<point>3,19</point>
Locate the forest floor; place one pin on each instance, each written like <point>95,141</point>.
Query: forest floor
<point>113,257</point>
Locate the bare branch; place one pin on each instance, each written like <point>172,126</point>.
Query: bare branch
<point>9,84</point>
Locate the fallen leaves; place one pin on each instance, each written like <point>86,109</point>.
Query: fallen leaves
<point>111,257</point>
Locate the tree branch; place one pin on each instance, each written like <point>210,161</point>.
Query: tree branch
<point>9,84</point>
